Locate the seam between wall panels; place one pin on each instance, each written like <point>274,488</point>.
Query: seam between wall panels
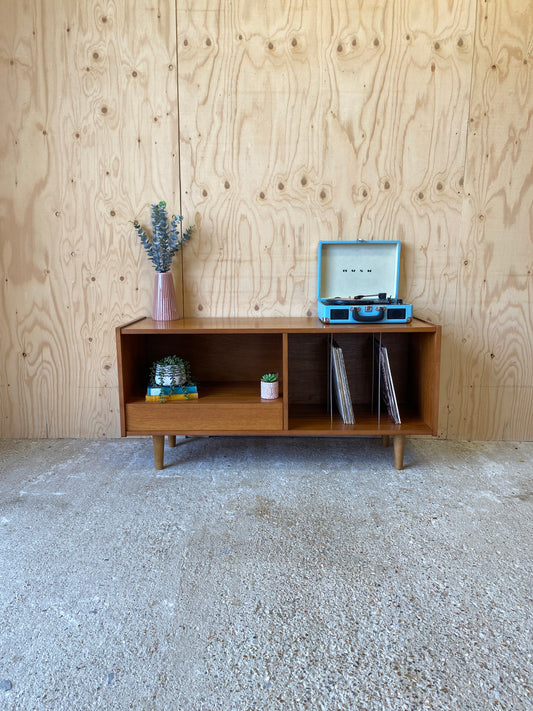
<point>178,148</point>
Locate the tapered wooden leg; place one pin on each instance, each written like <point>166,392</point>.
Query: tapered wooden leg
<point>399,447</point>
<point>159,450</point>
<point>172,440</point>
<point>385,440</point>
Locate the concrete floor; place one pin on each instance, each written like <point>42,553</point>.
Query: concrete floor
<point>259,574</point>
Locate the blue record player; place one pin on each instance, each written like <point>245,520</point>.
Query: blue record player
<point>358,282</point>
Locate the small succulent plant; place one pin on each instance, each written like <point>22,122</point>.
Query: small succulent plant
<point>269,377</point>
<point>166,238</point>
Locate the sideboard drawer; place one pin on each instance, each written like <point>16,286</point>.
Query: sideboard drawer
<point>194,416</point>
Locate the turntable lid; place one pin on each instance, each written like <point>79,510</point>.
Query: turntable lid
<point>351,268</point>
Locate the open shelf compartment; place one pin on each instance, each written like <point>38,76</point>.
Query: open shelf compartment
<point>411,358</point>
<point>227,367</point>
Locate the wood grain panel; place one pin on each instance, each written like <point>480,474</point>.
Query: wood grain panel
<point>328,121</point>
<point>490,395</point>
<point>499,413</point>
<point>246,117</point>
<point>204,416</point>
<point>321,121</point>
<point>288,123</point>
<point>91,133</point>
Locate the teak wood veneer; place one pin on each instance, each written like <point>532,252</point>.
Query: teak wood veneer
<point>228,357</point>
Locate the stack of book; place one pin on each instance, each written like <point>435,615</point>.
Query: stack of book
<point>167,393</point>
<point>340,381</point>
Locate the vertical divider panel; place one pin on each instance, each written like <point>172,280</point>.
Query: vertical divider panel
<point>285,379</point>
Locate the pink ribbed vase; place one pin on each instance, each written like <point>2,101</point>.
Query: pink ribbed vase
<point>165,306</point>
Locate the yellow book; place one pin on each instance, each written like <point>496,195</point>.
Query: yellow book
<point>173,397</point>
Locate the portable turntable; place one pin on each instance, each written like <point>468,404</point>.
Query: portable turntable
<point>358,282</point>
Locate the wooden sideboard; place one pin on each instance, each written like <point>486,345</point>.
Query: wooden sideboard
<point>229,356</point>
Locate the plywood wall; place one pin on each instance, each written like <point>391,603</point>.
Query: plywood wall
<point>490,392</point>
<point>89,136</point>
<point>271,125</point>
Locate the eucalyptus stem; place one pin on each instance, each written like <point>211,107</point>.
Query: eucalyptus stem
<point>166,238</point>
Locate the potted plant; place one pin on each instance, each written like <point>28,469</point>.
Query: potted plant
<point>161,247</point>
<point>170,371</point>
<point>170,378</point>
<point>269,386</point>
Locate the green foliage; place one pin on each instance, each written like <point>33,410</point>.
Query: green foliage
<point>174,367</point>
<point>269,377</point>
<point>166,238</point>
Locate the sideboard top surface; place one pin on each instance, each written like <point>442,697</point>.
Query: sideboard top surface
<point>268,325</point>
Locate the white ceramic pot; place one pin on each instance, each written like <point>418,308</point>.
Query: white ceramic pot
<point>269,391</point>
<point>166,376</point>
